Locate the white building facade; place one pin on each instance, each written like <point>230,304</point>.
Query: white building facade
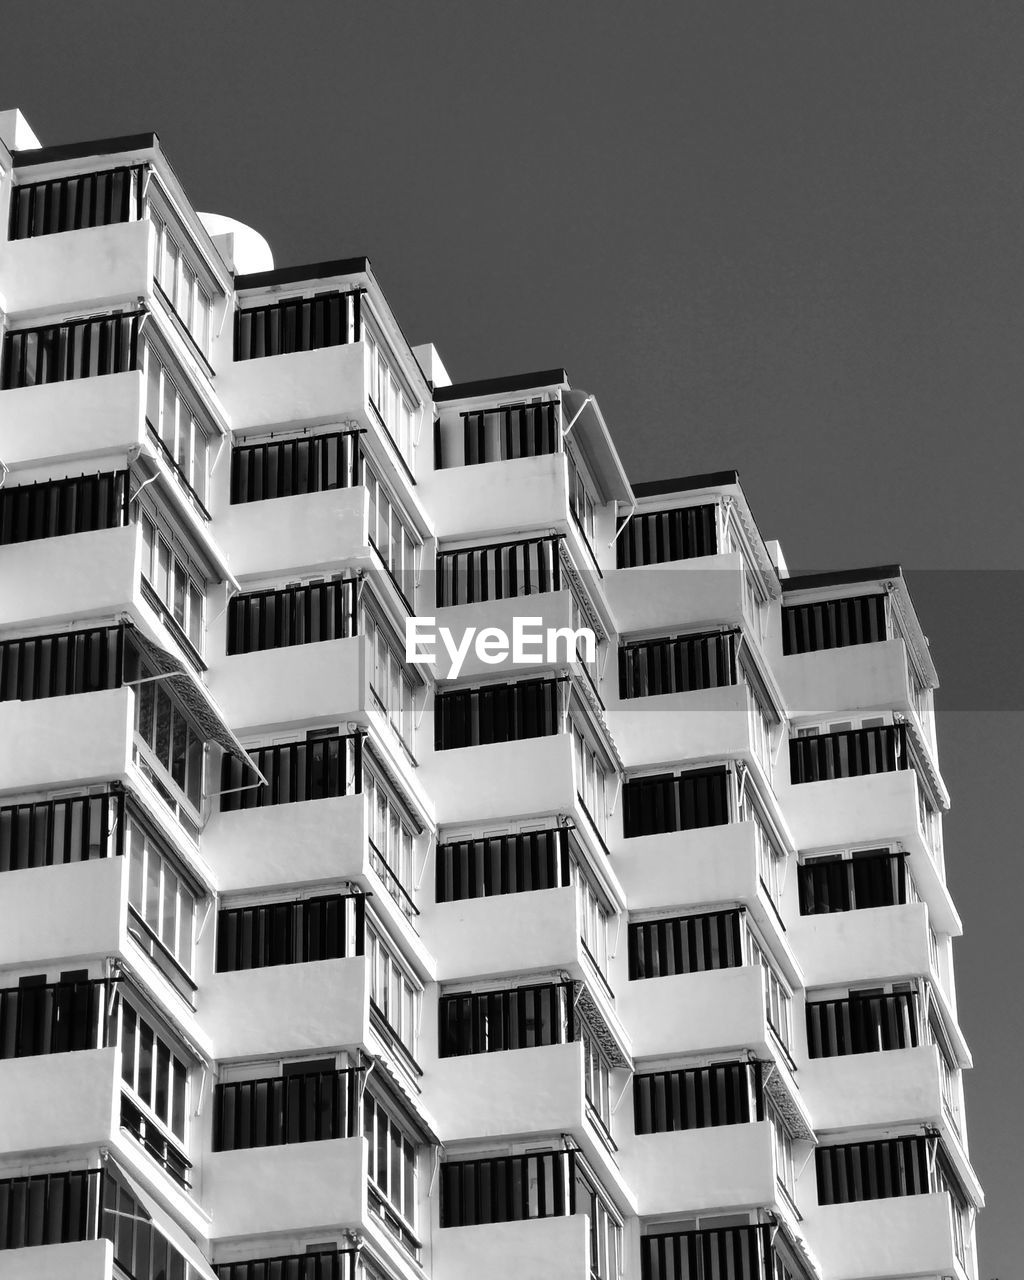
<point>317,963</point>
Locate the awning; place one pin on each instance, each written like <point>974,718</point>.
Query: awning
<point>597,443</point>
<point>194,697</point>
<point>166,1225</point>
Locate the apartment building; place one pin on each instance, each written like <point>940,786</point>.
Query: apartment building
<point>317,963</point>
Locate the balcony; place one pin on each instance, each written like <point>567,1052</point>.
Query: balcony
<point>553,608</point>
<point>287,1008</point>
<point>299,684</point>
<point>84,905</point>
<point>908,1235</point>
<point>303,534</point>
<point>69,1101</point>
<point>299,1187</point>
<point>897,1088</point>
<point>876,944</point>
<point>678,595</point>
<point>89,269</point>
<point>500,779</point>
<point>722,1168</point>
<point>704,724</point>
<point>499,498</point>
<point>78,740</point>
<point>714,1011</point>
<point>107,413</point>
<point>79,1260</point>
<point>541,1248</point>
<point>329,384</point>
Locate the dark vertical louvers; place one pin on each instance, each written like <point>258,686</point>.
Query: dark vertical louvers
<point>51,1208</point>
<point>675,802</point>
<point>833,624</point>
<point>862,1023</point>
<point>40,1017</point>
<point>52,666</point>
<point>70,204</point>
<point>283,616</point>
<point>496,713</point>
<point>298,324</point>
<point>873,1170</point>
<point>871,878</point>
<point>55,832</point>
<point>685,944</point>
<point>493,1021</point>
<point>510,431</point>
<point>508,1188</point>
<point>332,1264</point>
<point>295,771</point>
<point>698,1097</point>
<point>722,1253</point>
<point>502,864</point>
<point>329,927</point>
<point>849,753</point>
<point>307,464</point>
<point>502,570</point>
<point>74,349</point>
<point>54,508</point>
<point>677,664</point>
<point>655,537</point>
<point>306,1107</point>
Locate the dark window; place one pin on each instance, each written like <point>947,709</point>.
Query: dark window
<point>871,878</point>
<point>849,753</point>
<point>298,324</point>
<point>685,944</point>
<point>698,1097</point>
<point>38,1017</point>
<point>496,713</point>
<point>329,1264</point>
<point>675,802</point>
<point>75,349</point>
<point>500,571</point>
<point>496,435</point>
<point>832,624</point>
<point>507,1188</point>
<point>55,832</point>
<point>873,1170</point>
<point>53,508</point>
<point>717,1253</point>
<point>657,536</point>
<point>69,204</point>
<point>50,1208</point>
<point>676,665</point>
<point>285,616</point>
<point>281,468</point>
<point>862,1022</point>
<point>503,864</point>
<point>56,665</point>
<point>312,770</point>
<point>493,1021</point>
<point>140,1249</point>
<point>323,928</point>
<point>306,1107</point>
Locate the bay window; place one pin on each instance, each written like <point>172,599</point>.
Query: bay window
<point>180,279</point>
<point>394,993</point>
<point>171,573</point>
<point>182,432</point>
<point>162,903</point>
<point>391,535</point>
<point>389,397</point>
<point>391,840</point>
<point>154,1075</point>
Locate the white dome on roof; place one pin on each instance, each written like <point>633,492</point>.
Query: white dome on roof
<point>247,251</point>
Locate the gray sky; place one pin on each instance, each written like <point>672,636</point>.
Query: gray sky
<point>784,237</point>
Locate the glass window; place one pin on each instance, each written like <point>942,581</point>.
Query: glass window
<point>389,398</point>
<point>390,535</point>
<point>172,419</point>
<point>159,896</point>
<point>170,572</point>
<point>156,1074</point>
<point>392,1159</point>
<point>390,682</point>
<point>392,990</point>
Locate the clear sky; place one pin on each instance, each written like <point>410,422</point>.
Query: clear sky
<point>782,237</point>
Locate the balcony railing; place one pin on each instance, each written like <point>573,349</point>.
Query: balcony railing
<point>833,624</point>
<point>494,865</point>
<point>862,1024</point>
<point>677,664</point>
<point>295,771</point>
<point>496,713</point>
<point>164,1150</point>
<point>655,537</point>
<point>75,349</point>
<point>283,468</point>
<point>52,1017</point>
<point>498,435</point>
<point>330,1264</point>
<point>755,1252</point>
<point>698,1097</point>
<point>675,802</point>
<point>849,753</point>
<point>70,204</point>
<point>329,927</point>
<point>55,508</point>
<point>284,616</point>
<point>499,571</point>
<point>875,1170</point>
<point>517,1018</point>
<point>284,1109</point>
<point>298,324</point>
<point>52,666</point>
<point>686,944</point>
<point>872,878</point>
<point>508,1188</point>
<point>56,832</point>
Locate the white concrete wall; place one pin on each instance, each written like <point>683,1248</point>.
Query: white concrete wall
<point>302,1186</point>
<point>877,807</point>
<point>519,498</point>
<point>79,739</point>
<point>303,387</point>
<point>857,678</point>
<point>541,1249</point>
<point>81,1260</point>
<point>878,943</point>
<point>673,727</point>
<point>508,934</point>
<point>695,1012</point>
<point>77,577</point>
<point>898,1087</point>
<point>728,1167</point>
<point>553,608</point>
<point>303,534</point>
<point>78,271</point>
<point>65,1100</point>
<point>499,780</point>
<point>83,905</point>
<point>679,595</point>
<point>66,420</point>
<point>904,1236</point>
